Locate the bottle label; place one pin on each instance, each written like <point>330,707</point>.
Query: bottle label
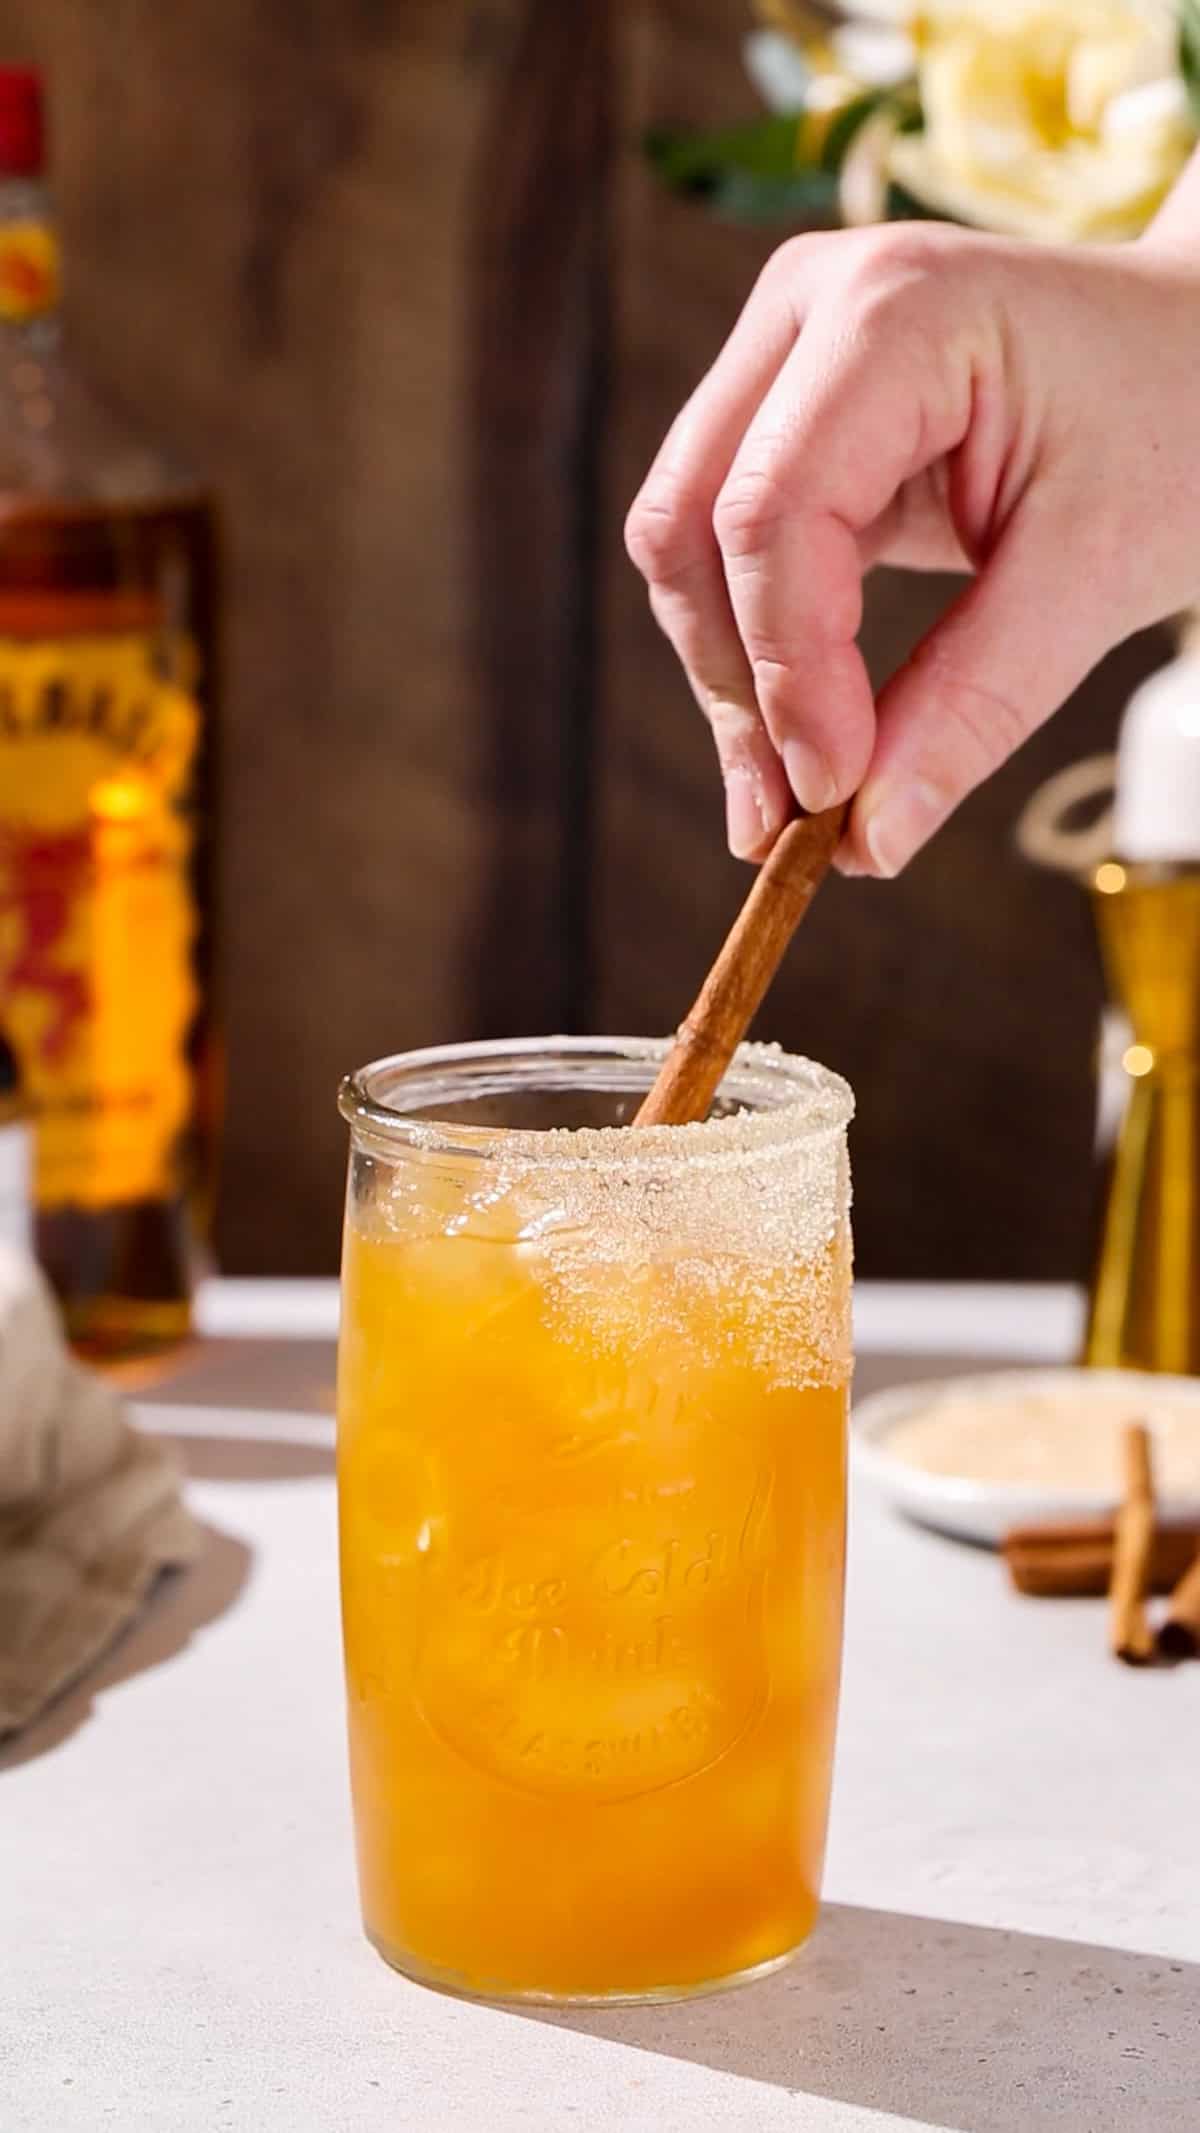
<point>29,269</point>
<point>16,1186</point>
<point>98,734</point>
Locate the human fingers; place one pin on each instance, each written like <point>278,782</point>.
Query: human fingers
<point>670,537</point>
<point>872,395</point>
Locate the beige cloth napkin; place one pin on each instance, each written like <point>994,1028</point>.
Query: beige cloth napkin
<point>90,1510</point>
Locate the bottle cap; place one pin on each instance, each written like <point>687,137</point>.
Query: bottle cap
<point>22,123</point>
<point>1157,816</point>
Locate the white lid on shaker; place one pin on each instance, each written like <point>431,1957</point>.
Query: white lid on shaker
<point>1157,810</point>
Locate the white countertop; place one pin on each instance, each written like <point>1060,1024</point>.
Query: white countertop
<point>1012,1937</point>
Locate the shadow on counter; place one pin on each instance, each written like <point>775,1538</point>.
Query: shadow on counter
<point>960,2027</point>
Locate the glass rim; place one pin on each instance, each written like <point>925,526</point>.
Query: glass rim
<point>781,1100</point>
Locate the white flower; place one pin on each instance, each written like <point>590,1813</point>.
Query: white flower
<point>779,70</point>
<point>1058,119</point>
<point>869,49</point>
<point>876,55</point>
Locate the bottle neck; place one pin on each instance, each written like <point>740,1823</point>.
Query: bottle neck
<point>29,263</point>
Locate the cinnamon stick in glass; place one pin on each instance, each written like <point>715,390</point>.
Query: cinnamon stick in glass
<point>1130,1635</point>
<point>1179,1636</point>
<point>736,985</point>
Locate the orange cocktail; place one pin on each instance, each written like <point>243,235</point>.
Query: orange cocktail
<point>591,1469</point>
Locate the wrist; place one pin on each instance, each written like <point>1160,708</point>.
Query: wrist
<point>1175,231</point>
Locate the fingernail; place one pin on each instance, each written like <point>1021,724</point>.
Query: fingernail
<point>898,823</point>
<point>745,814</point>
<point>809,776</point>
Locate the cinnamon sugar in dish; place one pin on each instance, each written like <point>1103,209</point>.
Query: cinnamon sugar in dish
<point>1057,1439</point>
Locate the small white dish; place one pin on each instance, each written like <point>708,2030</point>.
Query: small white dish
<point>983,1511</point>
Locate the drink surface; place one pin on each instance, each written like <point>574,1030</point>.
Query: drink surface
<point>592,1539</point>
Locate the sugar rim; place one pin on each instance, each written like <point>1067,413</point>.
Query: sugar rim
<point>782,1099</point>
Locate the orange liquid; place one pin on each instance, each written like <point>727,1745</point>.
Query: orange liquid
<point>591,1582</point>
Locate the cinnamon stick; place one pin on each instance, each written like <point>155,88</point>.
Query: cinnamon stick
<point>1129,1628</point>
<point>1075,1561</point>
<point>1179,1635</point>
<point>736,985</point>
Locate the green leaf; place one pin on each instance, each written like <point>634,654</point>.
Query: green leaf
<point>846,124</point>
<point>742,196</point>
<point>782,168</point>
<point>698,162</point>
<point>903,105</point>
<point>1189,50</point>
<point>768,171</point>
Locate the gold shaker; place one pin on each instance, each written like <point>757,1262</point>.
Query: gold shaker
<point>1145,1301</point>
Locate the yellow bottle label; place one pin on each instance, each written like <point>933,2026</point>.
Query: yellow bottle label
<point>97,917</point>
<point>29,269</point>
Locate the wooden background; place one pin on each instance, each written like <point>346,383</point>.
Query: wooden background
<point>391,271</point>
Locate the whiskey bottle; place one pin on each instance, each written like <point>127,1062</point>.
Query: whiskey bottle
<point>107,708</point>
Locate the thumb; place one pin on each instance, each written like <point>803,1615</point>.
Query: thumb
<point>1007,654</point>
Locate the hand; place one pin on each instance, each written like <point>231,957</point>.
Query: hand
<point>922,396</point>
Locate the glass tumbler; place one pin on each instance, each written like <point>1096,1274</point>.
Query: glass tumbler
<point>591,1465</point>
